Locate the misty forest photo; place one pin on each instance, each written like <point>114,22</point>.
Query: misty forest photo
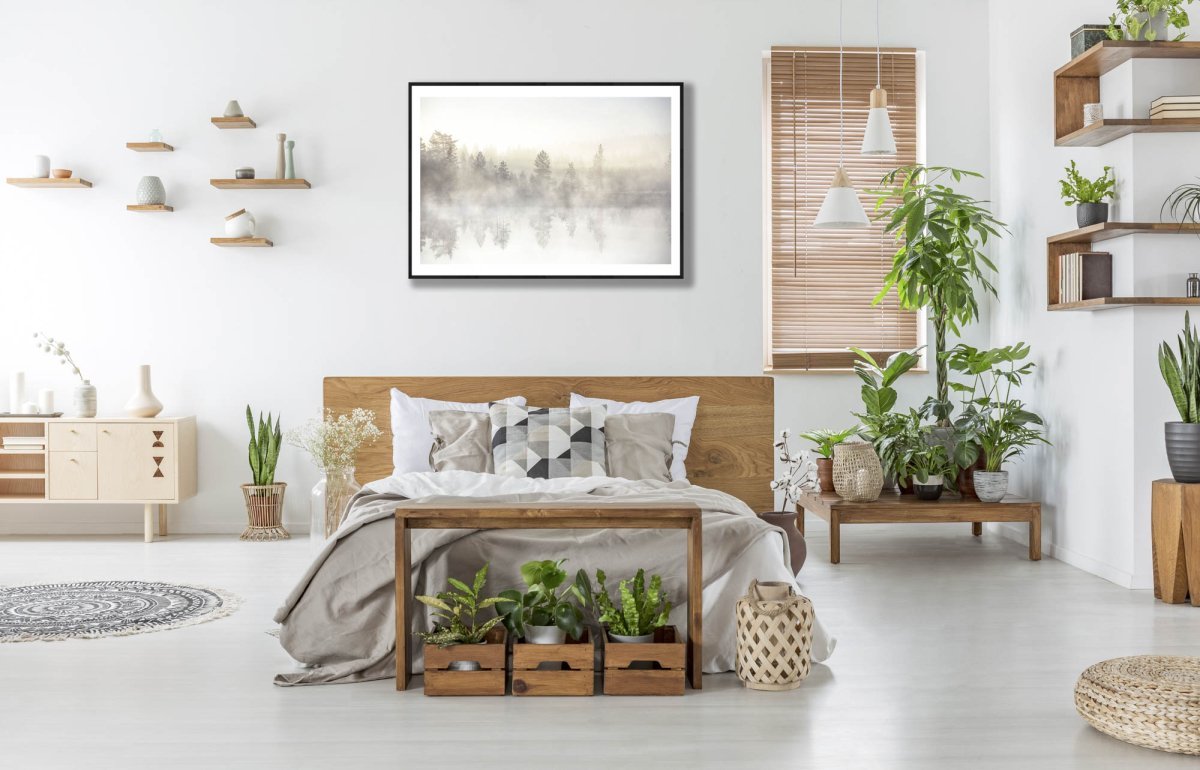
<point>545,180</point>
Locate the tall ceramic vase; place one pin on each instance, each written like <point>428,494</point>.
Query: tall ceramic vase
<point>143,402</point>
<point>328,502</point>
<point>83,399</point>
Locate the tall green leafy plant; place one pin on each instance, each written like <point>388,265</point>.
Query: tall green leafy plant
<point>265,441</point>
<point>878,421</point>
<point>941,261</point>
<point>1182,372</point>
<point>991,421</point>
<point>642,607</point>
<point>1077,188</point>
<point>457,612</point>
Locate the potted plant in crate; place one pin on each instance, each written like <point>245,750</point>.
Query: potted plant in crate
<point>457,617</point>
<point>640,609</point>
<point>1182,374</point>
<point>264,497</point>
<point>1089,196</point>
<point>825,441</point>
<point>333,445</point>
<point>542,614</point>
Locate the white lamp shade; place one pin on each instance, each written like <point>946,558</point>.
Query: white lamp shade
<point>841,209</point>
<point>878,139</point>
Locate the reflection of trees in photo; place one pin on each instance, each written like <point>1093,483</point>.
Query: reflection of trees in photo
<point>479,194</point>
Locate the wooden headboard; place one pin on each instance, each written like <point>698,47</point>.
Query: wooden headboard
<point>732,440</point>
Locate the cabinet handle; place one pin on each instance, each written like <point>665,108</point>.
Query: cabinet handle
<point>75,431</point>
<point>74,461</point>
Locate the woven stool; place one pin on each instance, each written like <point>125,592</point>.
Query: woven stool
<point>1146,700</point>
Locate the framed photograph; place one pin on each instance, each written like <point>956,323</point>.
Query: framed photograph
<point>545,180</point>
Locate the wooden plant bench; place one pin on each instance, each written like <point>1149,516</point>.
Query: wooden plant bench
<point>893,508</point>
<point>481,515</point>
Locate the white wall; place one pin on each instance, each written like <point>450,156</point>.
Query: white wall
<point>223,327</point>
<point>1098,385</point>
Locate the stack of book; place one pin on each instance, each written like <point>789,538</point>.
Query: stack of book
<point>25,442</point>
<point>1175,107</point>
<point>1084,275</point>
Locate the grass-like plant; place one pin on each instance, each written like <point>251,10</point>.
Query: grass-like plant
<point>1183,203</point>
<point>1182,372</point>
<point>457,613</point>
<point>1077,188</point>
<point>642,607</point>
<point>265,442</point>
<point>826,439</point>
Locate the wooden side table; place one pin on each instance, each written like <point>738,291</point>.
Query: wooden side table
<point>1175,539</point>
<point>558,516</point>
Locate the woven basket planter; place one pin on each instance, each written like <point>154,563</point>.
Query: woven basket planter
<point>774,637</point>
<point>857,474</point>
<point>1146,700</point>
<point>264,510</point>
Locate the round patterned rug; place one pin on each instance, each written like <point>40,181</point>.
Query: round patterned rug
<point>106,608</point>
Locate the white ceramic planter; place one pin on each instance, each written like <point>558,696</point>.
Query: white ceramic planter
<point>545,635</point>
<point>991,487</point>
<point>640,639</point>
<point>41,167</point>
<point>240,225</point>
<point>150,191</point>
<point>143,402</point>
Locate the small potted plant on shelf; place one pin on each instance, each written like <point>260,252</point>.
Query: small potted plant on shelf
<point>640,608</point>
<point>1182,375</point>
<point>542,614</point>
<point>878,421</point>
<point>457,614</point>
<point>1089,196</point>
<point>1148,20</point>
<point>825,440</point>
<point>1184,204</point>
<point>264,497</point>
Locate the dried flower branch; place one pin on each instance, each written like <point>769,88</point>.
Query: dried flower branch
<point>800,472</point>
<point>58,349</point>
<point>333,443</point>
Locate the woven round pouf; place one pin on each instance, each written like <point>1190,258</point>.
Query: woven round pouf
<point>1146,700</point>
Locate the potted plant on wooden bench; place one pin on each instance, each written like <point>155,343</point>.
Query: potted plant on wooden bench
<point>879,422</point>
<point>456,630</point>
<point>825,440</point>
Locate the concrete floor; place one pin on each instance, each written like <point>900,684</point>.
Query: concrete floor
<point>953,652</point>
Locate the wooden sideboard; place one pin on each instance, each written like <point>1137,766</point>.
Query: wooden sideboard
<point>151,462</point>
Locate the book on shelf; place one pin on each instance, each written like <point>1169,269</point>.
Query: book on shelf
<point>1083,276</point>
<point>1171,114</point>
<point>1164,101</point>
<point>23,441</point>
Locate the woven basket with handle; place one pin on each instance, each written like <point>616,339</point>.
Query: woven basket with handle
<point>774,637</point>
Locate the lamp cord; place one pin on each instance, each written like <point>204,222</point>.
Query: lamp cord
<point>878,51</point>
<point>841,96</point>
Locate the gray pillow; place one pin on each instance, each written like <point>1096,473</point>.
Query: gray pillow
<point>638,446</point>
<point>461,441</point>
<point>548,443</point>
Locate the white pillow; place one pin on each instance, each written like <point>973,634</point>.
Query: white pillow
<point>411,437</point>
<point>684,410</point>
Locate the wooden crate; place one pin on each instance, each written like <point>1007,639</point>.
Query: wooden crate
<point>489,680</point>
<point>576,677</point>
<point>667,650</point>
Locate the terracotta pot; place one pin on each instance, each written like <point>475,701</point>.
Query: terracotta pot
<point>905,485</point>
<point>786,520</point>
<point>966,480</point>
<point>825,473</point>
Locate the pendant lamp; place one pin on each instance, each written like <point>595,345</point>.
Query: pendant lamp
<point>878,140</point>
<point>841,210</point>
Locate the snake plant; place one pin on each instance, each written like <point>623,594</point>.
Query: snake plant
<point>643,608</point>
<point>1182,372</point>
<point>264,448</point>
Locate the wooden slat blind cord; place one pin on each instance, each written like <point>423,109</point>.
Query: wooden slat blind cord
<point>822,282</point>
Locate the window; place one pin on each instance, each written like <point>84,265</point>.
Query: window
<point>821,283</point>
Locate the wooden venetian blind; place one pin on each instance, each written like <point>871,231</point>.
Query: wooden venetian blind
<point>822,282</point>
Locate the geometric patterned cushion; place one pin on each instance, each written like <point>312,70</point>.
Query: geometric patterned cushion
<point>548,443</point>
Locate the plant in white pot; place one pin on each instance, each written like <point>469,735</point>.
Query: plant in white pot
<point>928,465</point>
<point>642,607</point>
<point>457,617</point>
<point>543,614</point>
<point>1005,430</point>
<point>1182,374</point>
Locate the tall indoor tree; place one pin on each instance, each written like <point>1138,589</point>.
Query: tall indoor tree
<point>941,261</point>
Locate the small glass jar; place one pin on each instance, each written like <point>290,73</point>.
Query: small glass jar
<point>1193,285</point>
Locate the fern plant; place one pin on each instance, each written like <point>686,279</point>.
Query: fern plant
<point>1077,188</point>
<point>642,608</point>
<point>265,442</point>
<point>1182,372</point>
<point>457,611</point>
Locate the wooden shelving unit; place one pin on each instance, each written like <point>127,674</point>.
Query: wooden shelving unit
<point>260,184</point>
<point>149,207</point>
<point>1105,131</point>
<point>1078,83</point>
<point>149,147</point>
<point>22,471</point>
<point>1109,230</point>
<point>74,183</point>
<point>1109,303</point>
<point>238,122</point>
<point>243,242</point>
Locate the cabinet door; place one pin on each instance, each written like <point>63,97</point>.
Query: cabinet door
<point>72,475</point>
<point>136,460</point>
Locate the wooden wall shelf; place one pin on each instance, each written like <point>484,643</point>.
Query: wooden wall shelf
<point>238,122</point>
<point>1105,131</point>
<point>149,147</point>
<point>1109,230</point>
<point>1109,303</point>
<point>74,183</point>
<point>1078,82</point>
<point>148,207</point>
<point>245,242</point>
<point>260,184</point>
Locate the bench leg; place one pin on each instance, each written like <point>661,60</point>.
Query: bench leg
<point>835,538</point>
<point>404,603</point>
<point>695,588</point>
<point>162,520</point>
<point>1035,537</point>
<point>977,528</point>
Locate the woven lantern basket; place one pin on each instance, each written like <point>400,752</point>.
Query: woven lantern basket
<point>1147,700</point>
<point>774,637</point>
<point>264,510</point>
<point>857,473</point>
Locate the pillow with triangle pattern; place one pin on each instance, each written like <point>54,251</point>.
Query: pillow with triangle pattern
<point>548,443</point>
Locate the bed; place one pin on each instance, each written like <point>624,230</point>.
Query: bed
<point>338,622</point>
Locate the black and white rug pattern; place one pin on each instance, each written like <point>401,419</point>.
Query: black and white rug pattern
<point>97,609</point>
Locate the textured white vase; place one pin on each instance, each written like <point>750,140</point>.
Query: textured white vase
<point>150,191</point>
<point>991,487</point>
<point>240,225</point>
<point>143,403</point>
<point>41,167</point>
<point>83,399</point>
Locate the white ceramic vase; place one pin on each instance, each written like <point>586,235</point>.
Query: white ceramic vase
<point>143,403</point>
<point>240,224</point>
<point>150,191</point>
<point>83,399</point>
<point>991,487</point>
<point>545,634</point>
<point>41,167</point>
<point>16,392</point>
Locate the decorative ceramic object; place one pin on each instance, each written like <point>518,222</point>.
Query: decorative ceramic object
<point>1092,113</point>
<point>1087,36</point>
<point>233,109</point>
<point>1087,214</point>
<point>46,401</point>
<point>29,407</point>
<point>825,474</point>
<point>639,639</point>
<point>83,399</point>
<point>240,224</point>
<point>930,487</point>
<point>545,634</point>
<point>991,486</point>
<point>150,191</point>
<point>143,403</point>
<point>328,501</point>
<point>786,520</point>
<point>155,136</point>
<point>1183,451</point>
<point>41,167</point>
<point>16,392</point>
<point>289,168</point>
<point>244,172</point>
<point>279,162</point>
<point>60,173</point>
<point>857,473</point>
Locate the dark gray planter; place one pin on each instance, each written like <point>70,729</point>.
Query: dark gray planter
<point>1183,451</point>
<point>1087,36</point>
<point>1088,214</point>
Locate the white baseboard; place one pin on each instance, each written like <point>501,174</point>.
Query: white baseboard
<point>1020,533</point>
